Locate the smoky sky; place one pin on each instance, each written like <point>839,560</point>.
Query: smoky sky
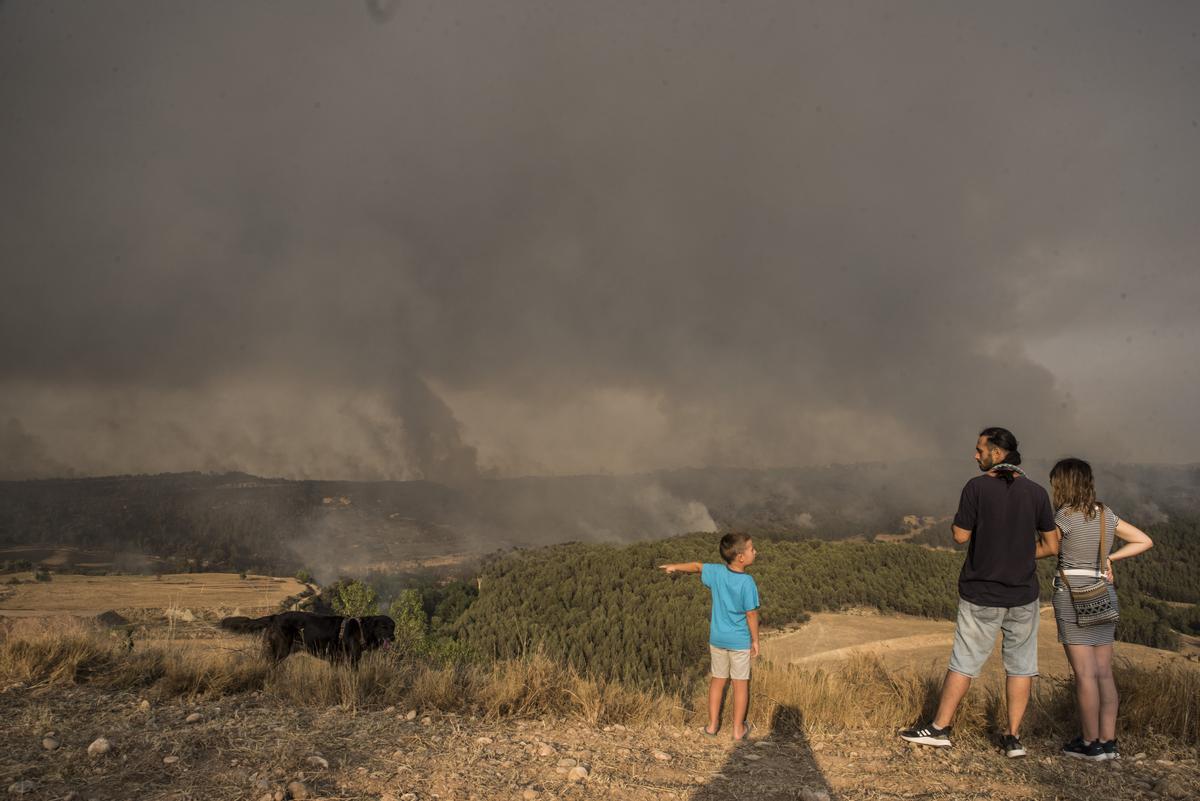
<point>445,239</point>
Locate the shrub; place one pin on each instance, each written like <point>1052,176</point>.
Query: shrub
<point>354,598</point>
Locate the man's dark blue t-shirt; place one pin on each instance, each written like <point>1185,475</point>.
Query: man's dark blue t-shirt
<point>1004,519</point>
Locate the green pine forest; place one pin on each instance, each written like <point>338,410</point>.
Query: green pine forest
<point>608,610</point>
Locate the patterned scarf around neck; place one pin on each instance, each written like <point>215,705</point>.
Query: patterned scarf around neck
<point>1008,472</point>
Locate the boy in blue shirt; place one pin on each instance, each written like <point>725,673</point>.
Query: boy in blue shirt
<point>733,629</point>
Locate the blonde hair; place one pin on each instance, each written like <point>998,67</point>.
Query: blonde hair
<point>1073,486</point>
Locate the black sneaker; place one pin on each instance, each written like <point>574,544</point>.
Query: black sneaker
<point>927,734</point>
<point>1080,750</point>
<point>1110,749</point>
<point>1012,746</point>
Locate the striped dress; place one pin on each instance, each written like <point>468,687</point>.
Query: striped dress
<point>1080,550</point>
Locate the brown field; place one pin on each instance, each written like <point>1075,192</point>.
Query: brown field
<point>902,642</point>
<point>88,596</point>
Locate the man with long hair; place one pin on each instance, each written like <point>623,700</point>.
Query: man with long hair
<point>1008,524</point>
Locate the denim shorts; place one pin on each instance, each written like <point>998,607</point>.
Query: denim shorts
<point>975,637</point>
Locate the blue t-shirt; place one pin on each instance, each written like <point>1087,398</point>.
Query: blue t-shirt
<point>733,595</point>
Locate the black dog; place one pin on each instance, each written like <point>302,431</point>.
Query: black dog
<point>332,637</point>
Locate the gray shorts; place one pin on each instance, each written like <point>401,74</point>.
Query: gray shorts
<point>975,637</point>
<point>728,664</point>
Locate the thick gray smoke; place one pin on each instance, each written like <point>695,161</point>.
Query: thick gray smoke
<point>416,239</point>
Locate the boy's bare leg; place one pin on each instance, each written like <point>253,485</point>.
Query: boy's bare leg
<point>741,702</point>
<point>716,693</point>
<point>953,689</point>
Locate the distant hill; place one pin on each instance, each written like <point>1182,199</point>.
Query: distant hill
<point>235,521</point>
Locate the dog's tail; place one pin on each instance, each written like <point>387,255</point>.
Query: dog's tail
<point>245,625</point>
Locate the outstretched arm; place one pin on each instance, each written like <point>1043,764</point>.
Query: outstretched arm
<point>1048,543</point>
<point>682,567</point>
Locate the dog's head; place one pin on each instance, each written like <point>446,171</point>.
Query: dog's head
<point>378,631</point>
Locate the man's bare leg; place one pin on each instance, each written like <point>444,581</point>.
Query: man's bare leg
<point>1016,693</point>
<point>953,689</point>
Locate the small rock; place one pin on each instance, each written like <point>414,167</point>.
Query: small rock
<point>567,762</point>
<point>753,757</point>
<point>298,790</point>
<point>267,797</point>
<point>144,705</point>
<point>278,795</point>
<point>425,721</point>
<point>50,743</point>
<point>409,797</point>
<point>483,740</point>
<point>618,727</point>
<point>809,794</point>
<point>577,773</point>
<point>22,787</point>
<point>316,761</point>
<point>99,747</point>
<point>545,750</point>
<point>1171,788</point>
<point>661,756</point>
<point>410,714</point>
<point>1139,755</point>
<point>529,795</point>
<point>170,760</point>
<point>195,717</point>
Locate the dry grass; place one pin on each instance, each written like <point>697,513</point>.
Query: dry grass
<point>860,693</point>
<point>864,693</point>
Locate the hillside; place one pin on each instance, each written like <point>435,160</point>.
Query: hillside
<point>184,722</point>
<point>194,521</point>
<point>192,711</point>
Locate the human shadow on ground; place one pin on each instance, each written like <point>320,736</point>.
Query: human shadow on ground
<point>774,765</point>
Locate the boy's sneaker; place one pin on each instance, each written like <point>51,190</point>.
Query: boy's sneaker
<point>1080,750</point>
<point>1012,746</point>
<point>1110,749</point>
<point>927,734</point>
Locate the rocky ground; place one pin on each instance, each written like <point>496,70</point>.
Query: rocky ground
<point>250,747</point>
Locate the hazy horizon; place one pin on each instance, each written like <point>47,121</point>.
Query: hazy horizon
<point>369,241</point>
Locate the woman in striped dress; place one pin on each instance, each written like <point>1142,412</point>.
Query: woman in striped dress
<point>1082,558</point>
